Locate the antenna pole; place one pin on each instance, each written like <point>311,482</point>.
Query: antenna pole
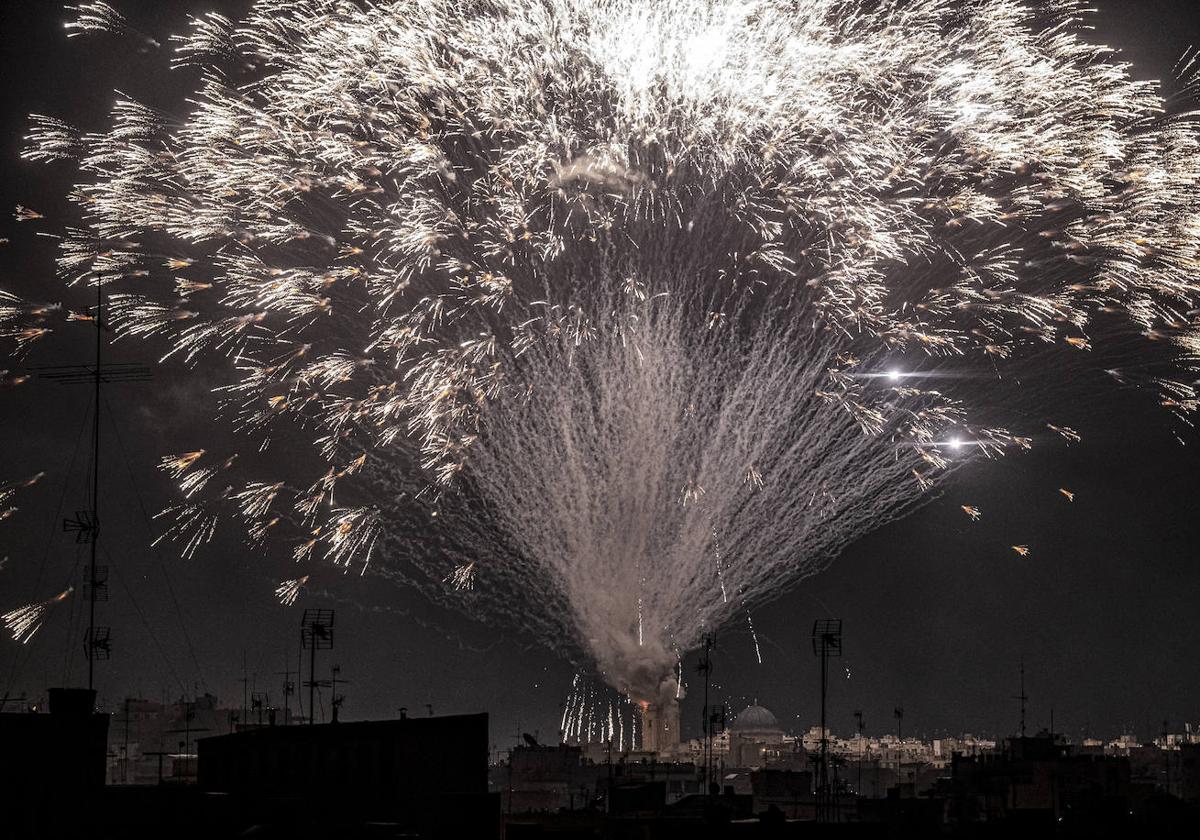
<point>1166,751</point>
<point>245,688</point>
<point>333,698</point>
<point>316,631</point>
<point>287,688</point>
<point>312,684</point>
<point>826,643</point>
<point>823,772</point>
<point>125,767</point>
<point>710,642</point>
<point>1022,697</point>
<point>95,487</point>
<point>859,720</point>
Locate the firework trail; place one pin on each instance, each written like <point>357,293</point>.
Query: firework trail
<point>9,490</point>
<point>289,590</point>
<point>597,311</point>
<point>596,714</point>
<point>24,622</point>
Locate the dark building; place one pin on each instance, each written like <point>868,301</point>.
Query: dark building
<point>788,791</point>
<point>52,766</point>
<point>424,776</point>
<point>547,778</point>
<point>1041,782</point>
<point>1189,773</point>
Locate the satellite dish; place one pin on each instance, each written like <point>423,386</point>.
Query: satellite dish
<point>530,741</point>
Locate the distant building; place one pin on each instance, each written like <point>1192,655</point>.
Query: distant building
<point>566,777</point>
<point>788,791</point>
<point>546,778</point>
<point>755,738</point>
<point>1039,780</point>
<point>151,742</point>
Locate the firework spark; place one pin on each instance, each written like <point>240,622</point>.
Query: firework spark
<point>632,305</point>
<point>289,590</point>
<point>24,622</point>
<point>462,578</point>
<point>973,512</point>
<point>597,714</point>
<point>9,490</point>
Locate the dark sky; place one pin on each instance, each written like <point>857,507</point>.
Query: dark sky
<point>938,611</point>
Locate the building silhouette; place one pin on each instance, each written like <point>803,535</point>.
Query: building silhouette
<point>52,765</point>
<point>426,776</point>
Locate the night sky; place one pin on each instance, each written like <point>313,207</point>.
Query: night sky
<point>938,612</point>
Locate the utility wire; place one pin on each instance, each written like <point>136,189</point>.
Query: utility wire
<point>21,659</point>
<point>162,564</point>
<point>141,615</point>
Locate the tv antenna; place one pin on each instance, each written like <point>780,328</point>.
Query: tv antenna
<point>9,698</point>
<point>1022,697</point>
<point>289,688</point>
<point>336,700</point>
<point>826,644</point>
<point>97,640</point>
<point>189,715</point>
<point>316,633</point>
<point>260,701</point>
<point>858,724</point>
<point>705,667</point>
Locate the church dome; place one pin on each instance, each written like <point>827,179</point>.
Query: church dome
<point>756,719</point>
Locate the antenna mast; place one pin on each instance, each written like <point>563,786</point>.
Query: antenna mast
<point>97,641</point>
<point>316,633</point>
<point>858,720</point>
<point>91,634</point>
<point>826,644</point>
<point>705,666</point>
<point>1022,697</point>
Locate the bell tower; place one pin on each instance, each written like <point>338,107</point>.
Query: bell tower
<point>660,727</point>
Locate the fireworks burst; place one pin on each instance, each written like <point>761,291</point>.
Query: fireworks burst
<point>462,578</point>
<point>289,590</point>
<point>628,306</point>
<point>24,622</point>
<point>9,490</point>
